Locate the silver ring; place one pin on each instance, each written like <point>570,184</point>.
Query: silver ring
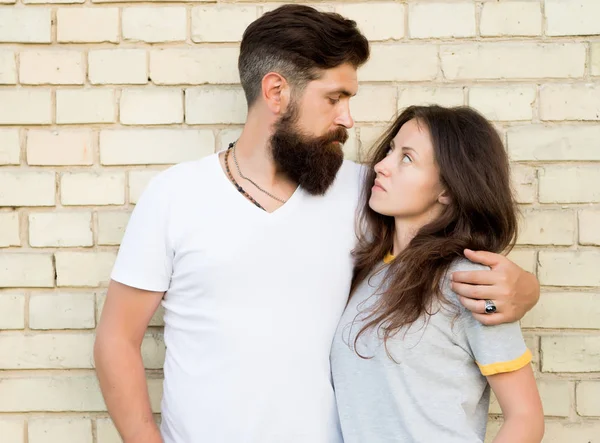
<point>490,307</point>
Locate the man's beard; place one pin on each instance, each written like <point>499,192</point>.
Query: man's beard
<point>312,162</point>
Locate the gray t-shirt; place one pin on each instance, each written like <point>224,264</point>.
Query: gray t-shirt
<point>436,389</point>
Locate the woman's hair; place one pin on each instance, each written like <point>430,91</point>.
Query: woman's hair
<point>298,42</point>
<point>482,215</point>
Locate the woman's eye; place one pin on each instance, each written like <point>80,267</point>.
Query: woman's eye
<point>406,159</point>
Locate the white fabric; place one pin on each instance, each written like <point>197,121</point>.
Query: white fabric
<point>251,306</point>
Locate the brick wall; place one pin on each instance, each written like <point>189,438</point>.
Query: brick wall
<point>97,96</point>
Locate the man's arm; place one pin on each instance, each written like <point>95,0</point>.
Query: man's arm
<point>118,358</point>
<point>513,290</point>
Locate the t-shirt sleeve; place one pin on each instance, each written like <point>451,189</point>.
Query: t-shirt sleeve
<point>496,349</point>
<point>145,257</point>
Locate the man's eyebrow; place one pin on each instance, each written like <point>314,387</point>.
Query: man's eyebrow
<point>343,92</point>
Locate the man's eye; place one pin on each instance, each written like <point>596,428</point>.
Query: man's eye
<point>334,101</point>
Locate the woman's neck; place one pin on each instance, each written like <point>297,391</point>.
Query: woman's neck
<point>406,228</point>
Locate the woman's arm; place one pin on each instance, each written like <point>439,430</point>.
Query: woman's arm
<point>519,399</point>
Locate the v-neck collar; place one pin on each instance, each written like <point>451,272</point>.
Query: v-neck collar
<point>239,200</point>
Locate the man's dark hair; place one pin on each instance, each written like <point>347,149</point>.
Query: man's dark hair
<point>297,42</point>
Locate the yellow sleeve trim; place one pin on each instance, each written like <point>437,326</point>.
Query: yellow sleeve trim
<point>506,366</point>
<point>388,258</point>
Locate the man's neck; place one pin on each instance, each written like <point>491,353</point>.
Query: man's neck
<point>253,152</point>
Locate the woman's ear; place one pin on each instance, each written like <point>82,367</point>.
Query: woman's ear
<point>444,198</point>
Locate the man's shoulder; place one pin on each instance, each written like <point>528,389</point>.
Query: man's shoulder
<point>184,173</point>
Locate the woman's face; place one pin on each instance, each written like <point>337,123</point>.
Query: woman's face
<point>407,185</point>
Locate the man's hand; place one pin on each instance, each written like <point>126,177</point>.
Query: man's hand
<point>513,290</point>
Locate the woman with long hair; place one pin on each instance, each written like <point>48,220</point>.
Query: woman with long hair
<point>409,363</point>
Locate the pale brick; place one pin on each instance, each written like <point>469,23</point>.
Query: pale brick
<point>493,427</point>
<point>374,103</point>
<point>430,20</point>
<point>221,23</point>
<point>525,259</point>
<point>547,227</point>
<point>561,432</point>
<point>556,397</point>
<point>67,392</point>
<point>155,391</point>
<point>352,147</point>
<point>151,106</point>
<point>8,68</point>
<point>563,184</point>
<point>589,227</point>
<point>588,393</point>
<point>571,353</point>
<point>524,182</point>
<point>214,105</point>
<point>554,143</point>
<point>532,343</point>
<point>46,351</point>
<point>57,67</point>
<point>10,147</point>
<point>111,227</point>
<point>89,269</point>
<point>227,136</point>
<point>570,102</point>
<point>572,17</point>
<point>87,25</point>
<point>89,188</point>
<point>268,7</point>
<point>60,229</point>
<point>511,18</point>
<point>25,25</point>
<point>154,146</point>
<point>62,311</point>
<point>85,106</point>
<point>424,95</point>
<point>498,60</point>
<point>9,230</point>
<point>153,350</point>
<point>12,312</point>
<point>63,430</point>
<point>153,25</point>
<point>138,180</point>
<point>26,270</point>
<point>397,63</point>
<point>25,188</point>
<point>504,103</point>
<point>569,268</point>
<point>25,106</point>
<point>12,430</point>
<point>215,65</point>
<point>376,20</point>
<point>118,66</point>
<point>567,310</point>
<point>55,2</point>
<point>58,148</point>
<point>369,135</point>
<point>595,68</point>
<point>156,320</point>
<point>107,432</point>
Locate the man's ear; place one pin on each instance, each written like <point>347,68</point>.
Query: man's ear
<point>444,198</point>
<point>275,92</point>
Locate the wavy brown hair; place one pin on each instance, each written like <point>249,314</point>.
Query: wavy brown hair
<point>482,215</point>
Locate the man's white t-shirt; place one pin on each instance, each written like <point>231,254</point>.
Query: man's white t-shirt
<point>251,306</point>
